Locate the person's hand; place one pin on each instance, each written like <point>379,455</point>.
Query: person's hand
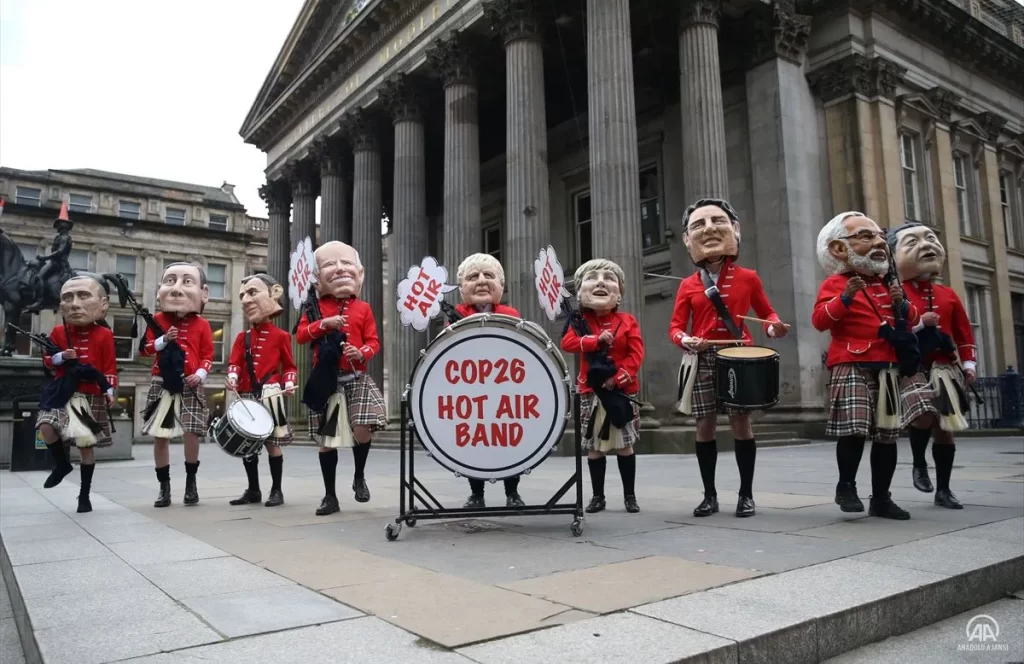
<point>930,319</point>
<point>110,400</point>
<point>193,381</point>
<point>970,376</point>
<point>232,381</point>
<point>353,354</point>
<point>778,330</point>
<point>695,344</point>
<point>609,384</point>
<point>172,334</point>
<point>334,322</point>
<point>606,338</point>
<point>68,354</point>
<point>855,284</point>
<point>289,386</point>
<point>896,293</point>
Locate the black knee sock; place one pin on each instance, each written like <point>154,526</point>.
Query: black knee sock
<point>59,452</point>
<point>918,445</point>
<point>359,453</point>
<point>627,471</point>
<point>849,450</point>
<point>191,469</point>
<point>943,456</point>
<point>883,465</point>
<point>597,467</point>
<point>163,474</point>
<point>707,458</point>
<point>746,455</point>
<point>512,486</point>
<point>328,467</point>
<point>86,485</point>
<point>476,487</point>
<point>276,465</point>
<point>252,471</point>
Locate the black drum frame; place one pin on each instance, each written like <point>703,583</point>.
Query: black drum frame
<point>411,490</point>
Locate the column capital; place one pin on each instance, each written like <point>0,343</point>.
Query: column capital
<point>402,98</point>
<point>328,155</point>
<point>452,57</point>
<point>277,195</point>
<point>991,124</point>
<point>778,31</point>
<point>303,177</point>
<point>856,73</point>
<point>693,12</point>
<point>360,129</point>
<point>944,101</point>
<point>513,19</point>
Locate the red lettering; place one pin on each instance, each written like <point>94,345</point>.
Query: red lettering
<point>445,409</point>
<point>480,401</point>
<point>486,366</point>
<point>515,434</point>
<point>450,369</point>
<point>434,288</point>
<point>502,367</point>
<point>499,437</point>
<point>518,371</point>
<point>463,406</point>
<point>518,406</point>
<point>530,402</point>
<point>469,371</point>
<point>462,434</point>
<point>495,434</point>
<point>410,302</point>
<point>417,288</point>
<point>482,371</point>
<point>480,435</point>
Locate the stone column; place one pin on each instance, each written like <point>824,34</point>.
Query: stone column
<point>335,223</point>
<point>401,97</point>
<point>527,199</point>
<point>705,172</point>
<point>278,197</point>
<point>367,209</point>
<point>305,184</point>
<point>452,57</point>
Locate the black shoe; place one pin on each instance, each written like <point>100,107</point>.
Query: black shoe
<point>513,500</point>
<point>361,490</point>
<point>329,505</point>
<point>745,506</point>
<point>945,498</point>
<point>596,505</point>
<point>163,499</point>
<point>276,498</point>
<point>84,504</point>
<point>922,482</point>
<point>474,502</point>
<point>249,496</point>
<point>885,508</point>
<point>57,475</point>
<point>707,507</point>
<point>847,498</point>
<point>191,492</point>
<point>631,505</point>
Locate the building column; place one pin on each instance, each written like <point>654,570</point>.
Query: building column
<point>302,176</point>
<point>367,211</point>
<point>705,171</point>
<point>527,199</point>
<point>787,209</point>
<point>335,223</point>
<point>401,97</point>
<point>452,57</point>
<point>278,197</point>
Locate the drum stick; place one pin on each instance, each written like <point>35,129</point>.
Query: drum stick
<point>723,341</point>
<point>766,322</point>
<point>662,276</point>
<point>282,392</point>
<point>241,400</point>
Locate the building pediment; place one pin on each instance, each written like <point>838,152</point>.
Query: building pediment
<point>937,103</point>
<point>1014,147</point>
<point>984,127</point>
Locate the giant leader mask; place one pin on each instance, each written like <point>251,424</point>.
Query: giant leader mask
<point>916,250</point>
<point>183,289</point>
<point>711,231</point>
<point>84,299</point>
<point>339,272</point>
<point>481,280</point>
<point>599,284</point>
<point>261,297</point>
<point>850,241</point>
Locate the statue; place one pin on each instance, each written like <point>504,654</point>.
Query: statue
<point>37,281</point>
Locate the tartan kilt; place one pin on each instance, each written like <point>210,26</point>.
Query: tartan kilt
<point>630,433</point>
<point>365,406</point>
<point>918,399</point>
<point>193,408</point>
<point>273,441</point>
<point>853,395</point>
<point>704,400</point>
<point>58,419</point>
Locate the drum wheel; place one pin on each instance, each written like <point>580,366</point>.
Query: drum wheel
<point>392,530</point>
<point>577,527</point>
<point>410,522</point>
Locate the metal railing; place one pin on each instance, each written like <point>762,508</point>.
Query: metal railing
<point>1002,402</point>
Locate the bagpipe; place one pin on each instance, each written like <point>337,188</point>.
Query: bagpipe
<point>901,338</point>
<point>951,396</point>
<point>321,394</point>
<point>450,312</point>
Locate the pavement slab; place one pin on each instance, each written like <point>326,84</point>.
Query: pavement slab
<point>55,550</point>
<point>210,576</point>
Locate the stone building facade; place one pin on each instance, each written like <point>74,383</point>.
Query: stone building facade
<point>135,225</point>
<point>508,125</point>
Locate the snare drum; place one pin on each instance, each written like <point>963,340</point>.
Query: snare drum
<point>747,377</point>
<point>490,396</point>
<point>242,430</point>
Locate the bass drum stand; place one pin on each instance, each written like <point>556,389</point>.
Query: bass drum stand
<point>411,490</point>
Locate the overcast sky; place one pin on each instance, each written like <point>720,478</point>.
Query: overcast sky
<point>155,89</point>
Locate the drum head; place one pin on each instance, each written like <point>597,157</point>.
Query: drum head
<point>747,352</point>
<point>250,418</point>
<point>489,398</point>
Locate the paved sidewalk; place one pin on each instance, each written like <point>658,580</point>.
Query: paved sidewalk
<point>230,583</point>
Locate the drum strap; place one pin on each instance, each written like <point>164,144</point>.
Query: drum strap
<point>711,290</point>
<point>257,387</point>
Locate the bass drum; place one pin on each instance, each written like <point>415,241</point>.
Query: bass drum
<point>490,396</point>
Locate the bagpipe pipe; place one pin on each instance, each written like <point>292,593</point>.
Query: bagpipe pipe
<point>320,393</point>
<point>450,312</point>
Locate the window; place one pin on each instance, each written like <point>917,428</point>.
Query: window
<point>126,266</point>
<point>584,239</point>
<point>175,216</point>
<point>216,279</point>
<point>1017,308</point>
<point>28,196</point>
<point>1013,225</point>
<point>964,206</point>
<point>492,241</point>
<point>218,341</point>
<point>650,208</point>
<point>911,183</point>
<point>23,345</point>
<point>80,259</point>
<point>129,210</point>
<point>124,344</point>
<point>80,203</point>
<point>977,313</point>
<point>218,222</point>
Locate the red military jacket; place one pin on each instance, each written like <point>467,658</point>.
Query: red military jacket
<point>854,328</point>
<point>953,320</point>
<point>360,326</point>
<point>94,345</point>
<point>740,289</point>
<point>194,336</point>
<point>272,358</point>
<point>470,309</point>
<point>627,349</point>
